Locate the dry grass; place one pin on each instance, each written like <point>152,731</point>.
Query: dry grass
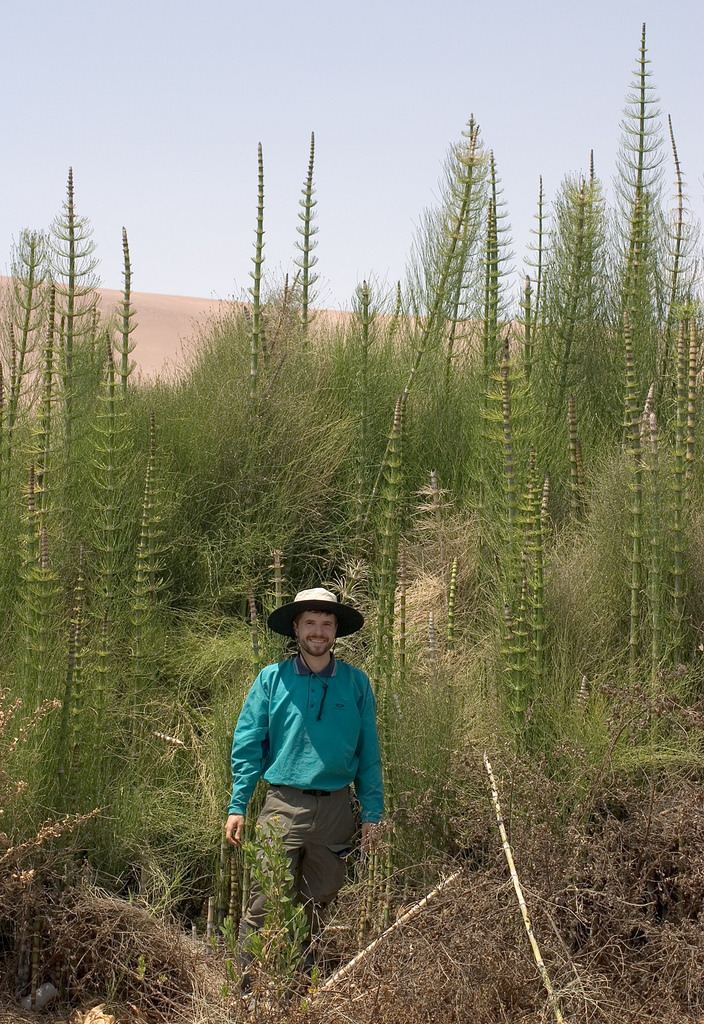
<point>616,895</point>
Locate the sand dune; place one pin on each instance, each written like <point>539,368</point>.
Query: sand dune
<point>163,324</point>
<point>166,324</point>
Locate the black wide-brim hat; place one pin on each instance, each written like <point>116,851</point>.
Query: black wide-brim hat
<point>349,620</point>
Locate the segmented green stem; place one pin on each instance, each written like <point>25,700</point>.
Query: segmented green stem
<point>510,483</point>
<point>581,198</point>
<point>390,533</point>
<point>254,630</point>
<point>28,273</point>
<point>110,530</point>
<point>575,454</point>
<point>527,328</point>
<point>257,339</point>
<point>364,317</point>
<point>691,404</point>
<point>277,568</point>
<point>73,697</point>
<point>451,599</point>
<point>38,603</point>
<point>679,469</point>
<point>540,251</point>
<point>536,551</point>
<point>639,160</point>
<point>491,288</point>
<point>516,659</point>
<point>632,430</point>
<point>655,581</point>
<point>401,619</point>
<point>307,244</point>
<point>471,162</point>
<point>678,240</point>
<point>44,442</point>
<point>148,564</point>
<point>73,265</point>
<point>126,346</point>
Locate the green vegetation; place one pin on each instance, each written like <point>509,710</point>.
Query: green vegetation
<point>541,598</point>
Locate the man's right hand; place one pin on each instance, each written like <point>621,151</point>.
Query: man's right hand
<point>234,827</point>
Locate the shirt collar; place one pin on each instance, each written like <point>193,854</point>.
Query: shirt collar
<point>302,669</point>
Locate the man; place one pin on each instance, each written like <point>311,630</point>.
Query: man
<point>308,727</point>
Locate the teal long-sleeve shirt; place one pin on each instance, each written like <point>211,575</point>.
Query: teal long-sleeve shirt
<point>309,731</point>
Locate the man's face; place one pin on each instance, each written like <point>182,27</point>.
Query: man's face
<point>315,632</point>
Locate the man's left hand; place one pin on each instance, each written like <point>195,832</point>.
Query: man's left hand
<point>372,832</point>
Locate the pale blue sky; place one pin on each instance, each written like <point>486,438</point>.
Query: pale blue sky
<point>159,106</point>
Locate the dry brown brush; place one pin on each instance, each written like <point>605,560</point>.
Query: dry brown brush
<point>616,894</point>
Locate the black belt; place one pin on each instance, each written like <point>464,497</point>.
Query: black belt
<point>307,792</point>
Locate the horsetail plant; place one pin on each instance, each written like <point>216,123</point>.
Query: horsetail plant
<point>388,557</point>
<point>44,433</point>
<point>468,176</point>
<point>364,316</point>
<point>277,570</point>
<point>125,345</point>
<point>526,307</point>
<point>38,603</point>
<point>691,403</point>
<point>147,573</point>
<point>652,469</point>
<point>573,305</point>
<point>575,457</point>
<point>73,702</point>
<point>307,244</point>
<point>679,483</point>
<point>635,486</point>
<point>492,347</point>
<point>384,647</point>
<point>451,599</point>
<point>28,276</point>
<point>637,187</point>
<point>110,533</point>
<point>516,659</point>
<point>578,235</point>
<point>677,239</point>
<point>73,266</point>
<point>257,339</point>
<point>429,322</point>
<point>401,619</point>
<point>254,630</point>
<point>537,260</point>
<point>537,537</point>
<point>509,465</point>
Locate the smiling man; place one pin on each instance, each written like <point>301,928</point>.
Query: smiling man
<point>308,727</point>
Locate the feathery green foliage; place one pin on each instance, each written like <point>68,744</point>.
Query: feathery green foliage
<point>307,244</point>
<point>73,266</point>
<point>257,338</point>
<point>125,345</point>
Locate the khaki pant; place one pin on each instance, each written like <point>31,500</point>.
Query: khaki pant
<point>317,832</point>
